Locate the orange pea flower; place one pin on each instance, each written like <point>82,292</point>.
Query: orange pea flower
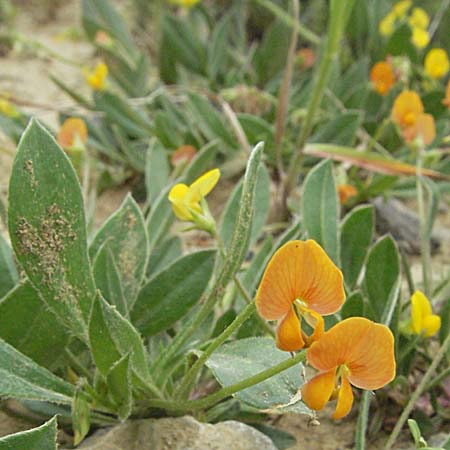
<point>354,352</point>
<point>73,132</point>
<point>183,154</point>
<point>382,77</point>
<point>300,281</point>
<point>346,192</point>
<point>408,114</point>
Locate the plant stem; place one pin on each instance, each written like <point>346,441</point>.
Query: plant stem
<point>192,405</point>
<point>417,393</point>
<point>189,378</point>
<point>424,238</point>
<point>283,98</point>
<point>361,424</point>
<point>436,380</point>
<point>338,17</point>
<point>73,360</point>
<point>288,20</point>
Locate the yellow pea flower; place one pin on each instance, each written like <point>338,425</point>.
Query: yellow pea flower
<point>436,63</point>
<point>185,3</point>
<point>386,25</point>
<point>401,8</point>
<point>422,318</point>
<point>420,37</point>
<point>187,200</point>
<point>97,78</point>
<point>419,19</point>
<point>8,109</point>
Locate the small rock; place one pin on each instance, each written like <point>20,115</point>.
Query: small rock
<point>182,433</point>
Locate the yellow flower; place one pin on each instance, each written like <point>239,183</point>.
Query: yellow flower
<point>96,79</point>
<point>422,318</point>
<point>186,3</point>
<point>401,8</point>
<point>186,200</point>
<point>419,19</point>
<point>437,63</point>
<point>386,26</point>
<point>8,109</point>
<point>420,37</point>
<point>382,77</point>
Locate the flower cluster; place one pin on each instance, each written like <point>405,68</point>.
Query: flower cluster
<point>302,283</point>
<point>417,20</point>
<point>408,114</point>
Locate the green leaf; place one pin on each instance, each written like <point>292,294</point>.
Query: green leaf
<point>381,276</point>
<point>356,236</point>
<point>8,272</point>
<point>40,438</point>
<point>125,236</point>
<point>218,48</point>
<point>262,199</point>
<point>119,384</point>
<point>30,327</point>
<point>208,120</point>
<point>341,130</point>
<point>281,439</point>
<point>47,227</point>
<point>108,279</point>
<point>353,306</point>
<point>81,419</point>
<point>22,378</point>
<point>168,296</point>
<point>241,359</point>
<point>320,208</point>
<point>157,170</point>
<point>400,43</point>
<point>164,254</point>
<point>111,337</point>
<point>201,162</point>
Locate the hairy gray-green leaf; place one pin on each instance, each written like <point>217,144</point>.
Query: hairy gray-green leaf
<point>381,276</point>
<point>81,419</point>
<point>47,227</point>
<point>157,170</point>
<point>320,208</point>
<point>22,378</point>
<point>262,200</point>
<point>111,336</point>
<point>119,384</point>
<point>164,254</point>
<point>356,235</point>
<point>353,306</point>
<point>241,359</point>
<point>168,296</point>
<point>40,438</point>
<point>8,272</point>
<point>124,234</point>
<point>108,279</point>
<point>30,327</point>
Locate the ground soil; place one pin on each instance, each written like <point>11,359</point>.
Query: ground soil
<point>26,76</point>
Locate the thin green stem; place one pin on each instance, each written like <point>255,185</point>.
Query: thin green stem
<point>437,379</point>
<point>361,424</point>
<point>417,393</point>
<point>210,400</point>
<point>288,20</point>
<point>424,238</point>
<point>189,378</point>
<point>339,14</point>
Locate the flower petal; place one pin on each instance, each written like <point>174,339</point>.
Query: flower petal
<point>73,126</point>
<point>344,401</point>
<point>316,321</point>
<point>204,185</point>
<point>317,391</point>
<point>177,196</point>
<point>407,106</point>
<point>420,308</point>
<point>289,335</point>
<point>431,325</point>
<point>365,347</point>
<point>300,270</point>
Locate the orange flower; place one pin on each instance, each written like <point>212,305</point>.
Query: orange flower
<point>356,351</point>
<point>183,154</point>
<point>408,114</point>
<point>306,57</point>
<point>300,281</point>
<point>446,100</point>
<point>73,132</point>
<point>345,192</point>
<point>382,77</point>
